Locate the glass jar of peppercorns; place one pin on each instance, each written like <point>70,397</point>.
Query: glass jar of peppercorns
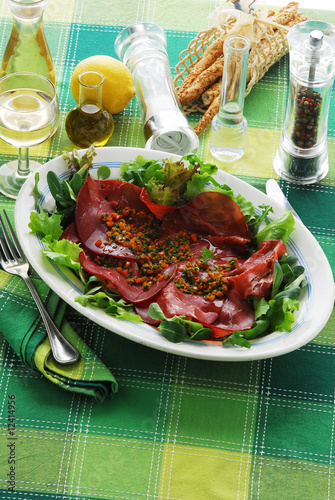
<point>302,155</point>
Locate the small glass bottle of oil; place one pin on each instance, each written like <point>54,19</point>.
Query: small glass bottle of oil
<point>89,123</point>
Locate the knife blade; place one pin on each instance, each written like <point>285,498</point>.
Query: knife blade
<point>274,191</point>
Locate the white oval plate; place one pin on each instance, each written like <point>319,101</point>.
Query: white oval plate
<point>315,306</point>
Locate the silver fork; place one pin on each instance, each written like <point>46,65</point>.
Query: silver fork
<point>13,261</point>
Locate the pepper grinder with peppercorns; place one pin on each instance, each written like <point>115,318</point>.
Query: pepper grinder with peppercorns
<point>302,155</point>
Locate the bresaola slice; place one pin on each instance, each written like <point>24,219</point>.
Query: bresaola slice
<point>211,213</point>
<point>235,315</point>
<point>71,234</point>
<point>175,303</point>
<point>118,283</point>
<point>97,198</point>
<point>255,275</point>
<point>159,211</point>
<point>219,226</point>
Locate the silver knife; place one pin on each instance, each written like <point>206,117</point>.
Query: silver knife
<point>273,191</point>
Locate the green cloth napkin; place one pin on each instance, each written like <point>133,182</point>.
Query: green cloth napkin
<point>23,328</point>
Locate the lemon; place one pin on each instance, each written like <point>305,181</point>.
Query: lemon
<point>118,87</point>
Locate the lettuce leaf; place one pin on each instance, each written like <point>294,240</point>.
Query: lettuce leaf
<point>276,314</point>
<point>112,305</point>
<point>278,229</point>
<point>63,252</point>
<point>201,177</point>
<point>171,191</point>
<point>169,182</point>
<point>80,163</point>
<point>46,225</point>
<point>140,171</point>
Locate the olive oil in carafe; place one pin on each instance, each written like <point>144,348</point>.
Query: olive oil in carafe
<point>88,124</point>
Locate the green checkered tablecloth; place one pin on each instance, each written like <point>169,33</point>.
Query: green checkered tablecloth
<point>177,428</point>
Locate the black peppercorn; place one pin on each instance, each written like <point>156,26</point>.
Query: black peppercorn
<point>305,130</point>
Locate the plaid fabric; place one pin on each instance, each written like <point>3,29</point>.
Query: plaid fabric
<point>178,428</point>
<point>22,327</point>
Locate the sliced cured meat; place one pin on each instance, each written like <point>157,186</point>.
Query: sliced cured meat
<point>268,250</point>
<point>236,243</point>
<point>255,275</point>
<point>222,316</point>
<point>235,315</point>
<point>211,213</point>
<point>159,211</point>
<point>71,234</point>
<point>175,303</point>
<point>97,198</point>
<point>131,293</point>
<point>211,221</point>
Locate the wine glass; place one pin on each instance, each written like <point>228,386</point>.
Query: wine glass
<point>29,114</point>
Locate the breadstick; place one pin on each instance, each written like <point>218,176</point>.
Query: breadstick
<point>215,105</point>
<point>295,20</point>
<point>283,17</point>
<point>202,82</point>
<point>299,18</point>
<point>286,13</point>
<point>232,85</point>
<point>231,88</point>
<point>208,116</point>
<point>213,51</point>
<point>209,95</point>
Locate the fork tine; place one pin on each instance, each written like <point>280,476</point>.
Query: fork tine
<point>5,244</point>
<point>17,245</point>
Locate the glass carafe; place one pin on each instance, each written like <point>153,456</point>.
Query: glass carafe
<point>229,127</point>
<point>89,123</point>
<point>302,155</point>
<point>27,48</point>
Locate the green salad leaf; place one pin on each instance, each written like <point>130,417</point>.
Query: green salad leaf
<point>277,313</point>
<point>80,163</point>
<point>140,171</point>
<point>103,172</point>
<point>278,229</point>
<point>112,305</point>
<point>169,182</point>
<point>46,225</point>
<point>63,252</point>
<point>170,192</point>
<point>178,328</point>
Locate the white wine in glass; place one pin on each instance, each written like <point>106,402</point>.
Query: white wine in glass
<point>29,113</point>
